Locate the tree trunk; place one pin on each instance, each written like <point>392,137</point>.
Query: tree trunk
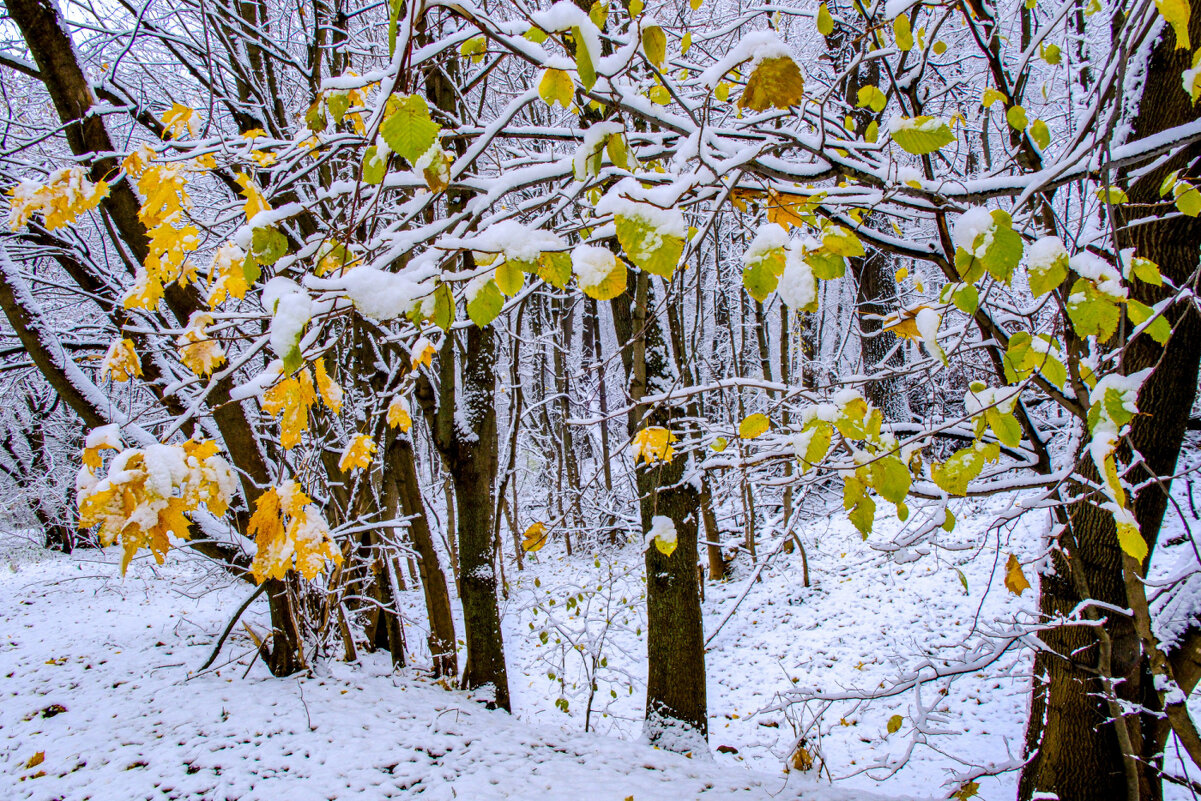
<point>1072,743</point>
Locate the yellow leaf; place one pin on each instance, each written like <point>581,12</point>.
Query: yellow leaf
<point>991,96</point>
<point>358,454</point>
<point>398,414</point>
<point>255,202</point>
<point>894,724</point>
<point>178,120</point>
<point>1131,540</point>
<point>904,323</point>
<point>1176,13</point>
<point>600,274</point>
<point>719,444</point>
<point>293,396</point>
<point>423,353</point>
<point>331,393</point>
<point>121,362</point>
<point>288,528</point>
<point>825,22</point>
<point>653,444</point>
<point>753,425</point>
<point>534,538</point>
<point>1015,579</point>
<point>199,352</point>
<point>776,82</point>
<point>967,789</point>
<point>227,276</point>
<point>67,194</point>
<point>36,760</point>
<point>556,86</point>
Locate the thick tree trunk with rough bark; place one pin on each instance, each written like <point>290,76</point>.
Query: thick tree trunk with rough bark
<point>1072,741</point>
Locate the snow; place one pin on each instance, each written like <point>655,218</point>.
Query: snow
<point>769,237</point>
<point>108,436</point>
<point>797,287</point>
<point>662,529</point>
<point>475,286</point>
<point>515,241</point>
<point>756,47</point>
<point>595,137</point>
<point>291,310</point>
<point>894,8</point>
<point>971,225</point>
<point>591,264</point>
<point>627,198</point>
<point>375,293</point>
<point>1107,277</point>
<point>1044,252</point>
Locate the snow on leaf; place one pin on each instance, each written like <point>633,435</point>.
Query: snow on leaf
<point>289,530</point>
<point>662,534</point>
<point>398,414</point>
<point>920,135</point>
<point>1015,579</point>
<point>358,454</point>
<point>653,444</point>
<point>66,194</point>
<point>646,245</point>
<point>955,473</point>
<point>600,274</point>
<point>121,362</point>
<point>408,129</point>
<point>484,302</point>
<point>199,352</point>
<point>331,393</point>
<point>179,120</point>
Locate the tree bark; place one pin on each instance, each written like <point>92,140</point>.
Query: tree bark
<point>1072,743</point>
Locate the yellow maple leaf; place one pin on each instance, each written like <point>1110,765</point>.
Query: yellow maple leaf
<point>199,352</point>
<point>178,120</point>
<point>288,529</point>
<point>423,353</point>
<point>66,194</point>
<point>255,202</point>
<point>293,396</point>
<point>121,362</point>
<point>227,278</point>
<point>331,393</point>
<point>136,162</point>
<point>398,414</point>
<point>904,323</point>
<point>357,454</point>
<point>653,444</point>
<point>162,186</point>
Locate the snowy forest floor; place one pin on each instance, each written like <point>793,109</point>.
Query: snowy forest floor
<point>95,673</point>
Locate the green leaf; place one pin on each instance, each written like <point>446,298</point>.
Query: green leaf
<point>647,247</point>
<point>375,167</point>
<point>409,131</point>
<point>554,267</point>
<point>314,118</point>
<point>486,305</point>
<point>825,23</point>
<point>268,245</point>
<point>1005,426</point>
<point>922,135</point>
<point>1113,195</point>
<point>583,60</point>
<point>859,505</point>
<point>1040,133</point>
<point>1092,313</point>
<point>819,443</point>
<point>1146,271</point>
<point>444,307</point>
<point>762,275</point>
<point>1016,116</point>
<point>1005,250</point>
<point>992,95</point>
<point>394,9</point>
<point>826,266</point>
<point>654,45</point>
<point>338,103</point>
<point>293,360</point>
<point>842,242</point>
<point>962,580</point>
<point>1139,313</point>
<point>474,48</point>
<point>1046,278</point>
<point>510,276</point>
<point>966,298</point>
<point>890,478</point>
<point>873,97</point>
<point>955,473</point>
<point>1188,200</point>
<point>903,32</point>
<point>599,14</point>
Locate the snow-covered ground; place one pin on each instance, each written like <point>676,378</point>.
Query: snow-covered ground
<point>95,674</point>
